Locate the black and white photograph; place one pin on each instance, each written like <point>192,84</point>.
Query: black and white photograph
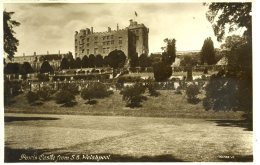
<point>127,81</point>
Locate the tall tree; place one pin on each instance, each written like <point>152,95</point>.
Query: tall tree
<point>64,64</point>
<point>169,54</point>
<point>116,59</point>
<point>46,68</point>
<point>84,62</point>
<point>231,16</point>
<point>78,63</point>
<point>144,61</point>
<point>208,52</point>
<point>134,60</point>
<point>236,81</point>
<point>161,71</point>
<point>10,41</point>
<point>27,67</point>
<point>99,61</point>
<point>92,61</point>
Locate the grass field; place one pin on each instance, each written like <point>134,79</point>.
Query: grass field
<point>126,138</point>
<point>167,104</point>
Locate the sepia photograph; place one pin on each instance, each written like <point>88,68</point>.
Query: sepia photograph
<point>127,81</point>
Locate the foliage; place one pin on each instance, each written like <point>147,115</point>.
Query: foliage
<point>84,62</point>
<point>64,64</point>
<point>169,54</point>
<point>208,52</point>
<point>71,87</point>
<point>152,90</point>
<point>144,61</point>
<point>11,89</point>
<point>64,97</point>
<point>12,68</point>
<point>32,97</point>
<point>231,16</point>
<point>46,68</point>
<point>27,68</point>
<point>233,42</point>
<point>95,91</point>
<point>45,93</point>
<point>133,95</point>
<point>10,41</point>
<point>116,59</point>
<point>134,60</point>
<point>189,60</point>
<point>192,91</point>
<point>232,89</point>
<point>78,63</point>
<point>99,61</point>
<point>91,61</point>
<point>161,71</point>
<point>43,77</point>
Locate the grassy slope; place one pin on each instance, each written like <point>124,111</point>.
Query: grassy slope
<point>167,104</point>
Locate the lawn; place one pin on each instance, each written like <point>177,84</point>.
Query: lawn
<point>168,104</point>
<point>126,138</point>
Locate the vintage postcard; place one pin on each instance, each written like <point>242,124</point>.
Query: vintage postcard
<point>128,81</point>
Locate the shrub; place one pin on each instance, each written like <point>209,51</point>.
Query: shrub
<point>152,91</point>
<point>64,97</point>
<point>133,95</point>
<point>45,93</point>
<point>71,87</point>
<point>32,97</point>
<point>161,71</point>
<point>95,91</point>
<point>192,91</point>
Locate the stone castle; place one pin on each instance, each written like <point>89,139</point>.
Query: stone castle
<point>132,39</point>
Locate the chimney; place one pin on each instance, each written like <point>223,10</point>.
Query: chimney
<point>34,53</point>
<point>117,27</point>
<point>131,22</point>
<point>59,52</point>
<point>23,54</point>
<point>91,30</point>
<point>47,52</point>
<point>109,29</point>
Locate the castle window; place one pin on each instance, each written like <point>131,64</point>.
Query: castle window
<point>82,51</point>
<point>87,39</point>
<point>108,49</point>
<point>88,51</point>
<point>104,50</point>
<point>87,44</point>
<point>107,37</point>
<point>95,50</point>
<point>96,38</point>
<point>120,40</point>
<point>104,37</point>
<point>95,43</point>
<point>112,37</point>
<point>104,43</point>
<point>112,42</point>
<point>76,40</point>
<point>108,42</point>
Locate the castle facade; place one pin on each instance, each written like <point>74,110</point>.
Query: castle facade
<point>132,39</point>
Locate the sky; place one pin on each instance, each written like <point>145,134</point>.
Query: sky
<point>51,27</point>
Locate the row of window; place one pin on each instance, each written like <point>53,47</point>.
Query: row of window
<point>96,38</point>
<point>104,50</point>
